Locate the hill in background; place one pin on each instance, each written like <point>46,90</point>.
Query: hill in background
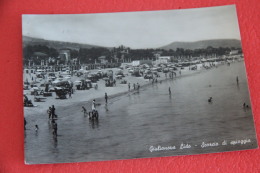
<point>174,45</point>
<point>204,44</point>
<point>54,44</point>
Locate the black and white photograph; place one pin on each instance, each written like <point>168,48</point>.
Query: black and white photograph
<point>127,85</point>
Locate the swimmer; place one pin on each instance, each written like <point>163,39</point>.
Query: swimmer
<point>36,128</point>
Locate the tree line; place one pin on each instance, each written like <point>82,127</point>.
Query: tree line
<point>121,53</point>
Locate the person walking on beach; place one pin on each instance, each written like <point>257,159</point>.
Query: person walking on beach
<point>134,86</point>
<point>106,97</point>
<point>237,80</point>
<point>128,86</point>
<point>170,91</point>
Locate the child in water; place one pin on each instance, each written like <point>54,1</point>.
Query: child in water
<point>84,110</point>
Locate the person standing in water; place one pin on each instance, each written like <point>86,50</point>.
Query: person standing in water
<point>129,86</point>
<point>53,115</point>
<point>138,86</point>
<point>106,97</point>
<point>36,128</point>
<point>84,110</point>
<point>93,105</point>
<point>49,112</point>
<point>55,129</point>
<point>237,80</point>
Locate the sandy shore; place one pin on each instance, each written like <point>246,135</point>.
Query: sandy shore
<point>86,96</point>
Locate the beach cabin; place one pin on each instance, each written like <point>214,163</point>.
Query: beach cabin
<point>29,71</point>
<point>233,52</point>
<point>141,62</point>
<point>163,60</point>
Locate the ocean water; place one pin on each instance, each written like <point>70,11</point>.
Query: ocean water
<point>131,124</point>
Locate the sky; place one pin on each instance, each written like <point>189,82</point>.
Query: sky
<point>151,29</point>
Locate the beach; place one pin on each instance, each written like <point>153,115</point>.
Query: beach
<point>85,96</point>
<point>137,123</point>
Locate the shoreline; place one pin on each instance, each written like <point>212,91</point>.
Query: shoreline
<point>29,111</point>
<point>132,91</point>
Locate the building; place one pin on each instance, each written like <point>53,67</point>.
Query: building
<point>164,59</point>
<point>141,62</point>
<point>233,52</point>
<point>120,54</point>
<point>29,71</point>
<point>103,59</point>
<point>64,56</point>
